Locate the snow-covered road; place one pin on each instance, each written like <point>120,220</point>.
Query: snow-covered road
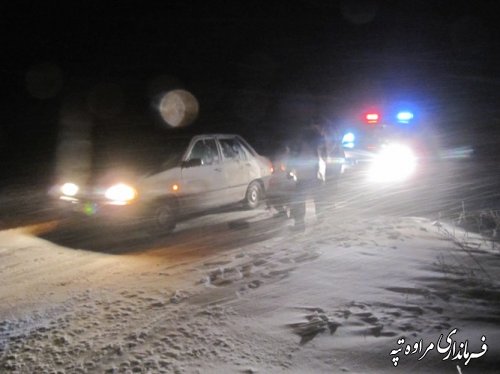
<point>239,292</point>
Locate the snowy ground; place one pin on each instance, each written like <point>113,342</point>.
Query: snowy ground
<point>239,292</point>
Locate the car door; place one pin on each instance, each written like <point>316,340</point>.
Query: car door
<point>203,183</point>
<point>236,166</point>
<point>252,164</point>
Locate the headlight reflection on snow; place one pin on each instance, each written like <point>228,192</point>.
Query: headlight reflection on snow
<point>394,163</point>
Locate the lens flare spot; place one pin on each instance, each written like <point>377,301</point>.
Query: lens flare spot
<point>178,108</point>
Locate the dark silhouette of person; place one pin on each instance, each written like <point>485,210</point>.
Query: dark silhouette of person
<point>308,165</point>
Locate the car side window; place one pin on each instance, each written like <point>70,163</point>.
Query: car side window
<point>212,153</point>
<point>232,150</point>
<point>244,150</point>
<point>206,151</point>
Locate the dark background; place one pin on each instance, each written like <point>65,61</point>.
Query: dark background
<point>257,68</point>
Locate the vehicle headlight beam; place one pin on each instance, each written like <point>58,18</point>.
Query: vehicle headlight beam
<point>120,193</point>
<point>69,189</point>
<point>394,163</point>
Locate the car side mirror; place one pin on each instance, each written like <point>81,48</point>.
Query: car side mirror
<point>191,163</point>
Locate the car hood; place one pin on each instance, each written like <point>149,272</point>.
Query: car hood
<point>158,184</point>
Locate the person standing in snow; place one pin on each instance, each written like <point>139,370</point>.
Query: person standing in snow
<point>308,163</point>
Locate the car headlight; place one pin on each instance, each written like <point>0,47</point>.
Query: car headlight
<point>120,193</point>
<point>69,189</point>
<point>394,163</point>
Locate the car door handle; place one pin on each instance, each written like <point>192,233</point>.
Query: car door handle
<point>218,169</point>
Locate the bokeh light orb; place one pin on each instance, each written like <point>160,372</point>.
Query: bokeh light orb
<point>178,108</point>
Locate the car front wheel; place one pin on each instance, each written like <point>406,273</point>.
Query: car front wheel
<point>253,196</point>
<point>162,220</point>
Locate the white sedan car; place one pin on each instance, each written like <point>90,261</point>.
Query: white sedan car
<point>196,174</point>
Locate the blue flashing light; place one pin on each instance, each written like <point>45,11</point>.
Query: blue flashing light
<point>348,138</point>
<point>404,117</point>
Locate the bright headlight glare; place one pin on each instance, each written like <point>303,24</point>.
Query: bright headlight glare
<point>394,163</point>
<point>69,189</point>
<point>120,192</point>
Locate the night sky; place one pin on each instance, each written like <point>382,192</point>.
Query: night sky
<point>255,67</point>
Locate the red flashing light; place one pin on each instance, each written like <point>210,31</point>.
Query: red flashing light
<point>372,117</point>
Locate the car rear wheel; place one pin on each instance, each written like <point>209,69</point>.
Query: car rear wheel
<point>253,196</point>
